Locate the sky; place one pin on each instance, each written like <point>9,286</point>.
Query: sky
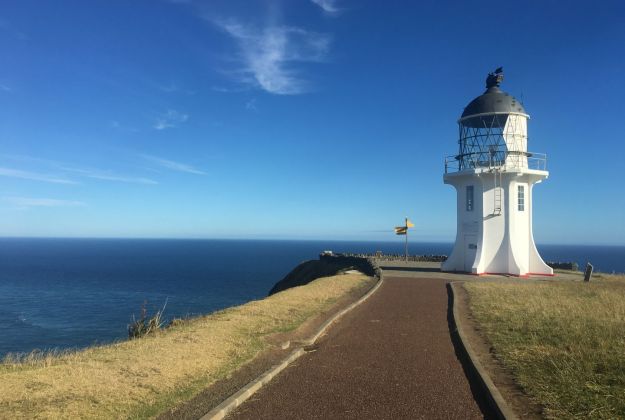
<point>297,119</point>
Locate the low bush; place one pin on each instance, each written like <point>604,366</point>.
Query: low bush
<point>146,325</point>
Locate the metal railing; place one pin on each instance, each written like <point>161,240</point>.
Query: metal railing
<point>496,159</point>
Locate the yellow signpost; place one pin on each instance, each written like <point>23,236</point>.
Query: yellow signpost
<point>403,230</point>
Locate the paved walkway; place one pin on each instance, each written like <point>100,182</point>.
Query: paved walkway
<point>390,358</point>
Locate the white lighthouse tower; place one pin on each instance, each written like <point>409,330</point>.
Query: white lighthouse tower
<point>494,174</point>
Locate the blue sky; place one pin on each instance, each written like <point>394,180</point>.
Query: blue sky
<point>297,119</point>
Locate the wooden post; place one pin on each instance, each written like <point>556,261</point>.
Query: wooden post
<point>588,272</point>
<point>406,250</point>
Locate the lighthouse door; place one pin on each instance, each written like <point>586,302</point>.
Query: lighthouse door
<point>470,249</point>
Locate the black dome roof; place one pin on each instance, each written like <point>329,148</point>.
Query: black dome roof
<point>494,100</point>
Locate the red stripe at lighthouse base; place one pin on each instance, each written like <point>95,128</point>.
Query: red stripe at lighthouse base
<point>513,275</point>
<point>501,274</point>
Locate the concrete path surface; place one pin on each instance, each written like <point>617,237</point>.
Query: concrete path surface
<point>390,358</point>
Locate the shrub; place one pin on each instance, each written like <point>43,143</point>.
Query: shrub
<point>146,325</point>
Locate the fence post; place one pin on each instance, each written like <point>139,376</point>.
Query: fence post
<point>588,272</point>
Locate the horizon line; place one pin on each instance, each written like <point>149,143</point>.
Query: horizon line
<point>449,242</point>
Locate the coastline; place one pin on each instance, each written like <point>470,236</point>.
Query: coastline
<point>76,293</point>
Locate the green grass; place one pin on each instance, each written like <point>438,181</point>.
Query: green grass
<point>564,342</point>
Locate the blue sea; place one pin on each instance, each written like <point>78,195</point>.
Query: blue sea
<point>72,293</point>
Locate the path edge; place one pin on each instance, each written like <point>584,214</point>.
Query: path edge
<point>494,398</point>
<point>236,399</point>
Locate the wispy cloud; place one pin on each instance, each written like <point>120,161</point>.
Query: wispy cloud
<point>175,88</point>
<point>31,159</point>
<point>268,54</point>
<point>170,119</point>
<point>121,127</point>
<point>117,178</point>
<point>34,176</point>
<point>66,168</point>
<point>108,176</point>
<point>25,202</point>
<point>251,105</point>
<point>223,89</point>
<point>5,88</point>
<point>174,166</point>
<point>328,6</point>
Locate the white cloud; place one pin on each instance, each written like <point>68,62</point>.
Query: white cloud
<point>170,119</point>
<point>328,6</point>
<point>5,88</point>
<point>268,55</point>
<point>24,202</point>
<point>119,126</point>
<point>33,176</point>
<point>117,178</point>
<point>174,166</point>
<point>65,167</point>
<point>222,89</point>
<point>31,159</point>
<point>107,176</point>
<point>251,105</point>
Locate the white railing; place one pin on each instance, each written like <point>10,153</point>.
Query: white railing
<point>503,160</point>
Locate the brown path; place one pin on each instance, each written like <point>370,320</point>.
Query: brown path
<point>392,357</point>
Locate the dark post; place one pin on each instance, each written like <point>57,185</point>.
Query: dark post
<point>406,224</point>
<point>588,272</point>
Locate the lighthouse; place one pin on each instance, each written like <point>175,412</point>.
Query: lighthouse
<point>494,175</point>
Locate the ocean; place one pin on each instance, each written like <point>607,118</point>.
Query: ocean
<point>72,293</point>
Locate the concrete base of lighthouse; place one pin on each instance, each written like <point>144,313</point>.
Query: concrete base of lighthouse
<point>494,233</point>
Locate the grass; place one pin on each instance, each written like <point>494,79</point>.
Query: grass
<point>142,377</point>
<point>564,341</point>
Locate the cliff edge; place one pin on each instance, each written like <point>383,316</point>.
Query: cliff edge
<point>323,267</point>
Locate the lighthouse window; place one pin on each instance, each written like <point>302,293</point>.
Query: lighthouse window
<point>521,197</point>
<point>470,198</point>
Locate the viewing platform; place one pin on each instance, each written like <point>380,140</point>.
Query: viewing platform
<point>500,160</point>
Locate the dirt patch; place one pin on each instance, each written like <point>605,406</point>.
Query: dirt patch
<point>281,345</point>
<point>503,379</point>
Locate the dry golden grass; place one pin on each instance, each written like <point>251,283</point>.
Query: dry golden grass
<point>563,341</point>
<point>140,378</point>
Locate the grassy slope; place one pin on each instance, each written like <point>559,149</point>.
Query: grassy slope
<point>308,271</point>
<point>564,341</point>
<point>142,377</point>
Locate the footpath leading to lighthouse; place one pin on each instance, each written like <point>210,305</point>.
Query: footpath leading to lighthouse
<point>391,357</point>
